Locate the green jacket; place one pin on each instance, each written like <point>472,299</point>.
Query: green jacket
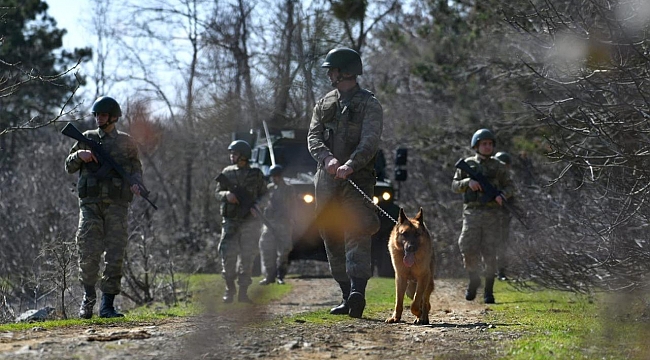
<point>495,172</point>
<point>247,178</point>
<point>347,126</point>
<point>95,187</point>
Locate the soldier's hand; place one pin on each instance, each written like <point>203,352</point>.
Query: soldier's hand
<point>499,199</point>
<point>475,185</point>
<point>231,198</point>
<point>331,165</point>
<point>86,156</point>
<point>343,172</point>
<point>135,189</point>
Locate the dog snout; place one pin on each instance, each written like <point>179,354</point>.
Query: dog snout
<point>411,248</point>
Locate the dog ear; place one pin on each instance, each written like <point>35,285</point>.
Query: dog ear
<point>418,217</point>
<point>402,217</point>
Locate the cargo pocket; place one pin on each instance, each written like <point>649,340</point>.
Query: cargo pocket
<point>92,187</point>
<point>81,187</point>
<point>115,190</point>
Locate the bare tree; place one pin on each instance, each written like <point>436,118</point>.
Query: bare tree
<point>589,62</point>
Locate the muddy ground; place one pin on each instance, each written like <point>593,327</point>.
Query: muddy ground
<point>458,330</point>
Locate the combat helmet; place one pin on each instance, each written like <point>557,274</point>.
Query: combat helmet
<point>483,134</point>
<point>276,170</point>
<point>344,59</point>
<point>504,157</point>
<point>242,147</point>
<point>106,104</point>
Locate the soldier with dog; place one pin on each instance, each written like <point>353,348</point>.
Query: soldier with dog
<point>343,138</point>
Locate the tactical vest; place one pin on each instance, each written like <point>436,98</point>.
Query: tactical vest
<point>489,170</point>
<point>97,184</point>
<point>343,122</point>
<point>247,179</point>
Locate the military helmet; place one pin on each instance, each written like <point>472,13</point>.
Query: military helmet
<point>276,170</point>
<point>483,134</point>
<point>344,59</point>
<point>106,104</point>
<point>241,147</point>
<point>504,157</point>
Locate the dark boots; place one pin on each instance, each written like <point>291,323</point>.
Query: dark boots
<point>106,310</point>
<point>343,308</point>
<point>357,298</point>
<point>242,297</point>
<point>88,302</point>
<point>229,294</point>
<point>282,271</point>
<point>488,295</point>
<point>268,280</point>
<point>474,283</point>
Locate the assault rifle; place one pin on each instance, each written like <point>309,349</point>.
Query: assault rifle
<point>246,201</point>
<point>106,161</point>
<point>489,191</point>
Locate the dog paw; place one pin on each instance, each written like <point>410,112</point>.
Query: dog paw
<point>392,320</point>
<point>421,322</point>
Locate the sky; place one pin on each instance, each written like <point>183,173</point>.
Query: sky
<point>74,18</point>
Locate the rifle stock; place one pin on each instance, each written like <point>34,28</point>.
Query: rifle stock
<point>489,191</point>
<point>71,131</point>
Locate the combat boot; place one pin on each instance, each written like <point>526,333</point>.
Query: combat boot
<point>343,308</point>
<point>357,298</point>
<point>474,283</point>
<point>282,271</point>
<point>488,296</point>
<point>106,310</point>
<point>267,281</point>
<point>242,297</point>
<point>502,274</point>
<point>229,294</point>
<point>88,302</point>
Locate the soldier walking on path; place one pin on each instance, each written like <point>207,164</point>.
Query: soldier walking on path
<point>276,243</point>
<point>481,233</point>
<point>240,226</point>
<point>343,138</point>
<point>104,198</point>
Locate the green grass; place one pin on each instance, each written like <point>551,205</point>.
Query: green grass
<point>562,325</point>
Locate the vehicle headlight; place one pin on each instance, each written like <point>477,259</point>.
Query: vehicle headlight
<point>375,200</point>
<point>385,196</point>
<point>308,198</point>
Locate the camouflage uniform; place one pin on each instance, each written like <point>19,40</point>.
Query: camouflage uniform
<point>481,234</point>
<point>276,244</point>
<point>104,201</point>
<point>347,126</point>
<point>240,235</point>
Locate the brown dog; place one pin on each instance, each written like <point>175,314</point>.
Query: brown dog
<point>411,250</point>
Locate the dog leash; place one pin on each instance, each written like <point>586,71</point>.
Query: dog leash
<point>365,196</point>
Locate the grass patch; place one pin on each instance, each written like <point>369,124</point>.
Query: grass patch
<point>562,325</point>
<point>204,292</point>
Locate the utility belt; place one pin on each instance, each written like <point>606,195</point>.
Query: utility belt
<point>114,188</point>
<point>479,205</point>
<point>471,200</point>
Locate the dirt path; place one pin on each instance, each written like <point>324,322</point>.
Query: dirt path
<point>457,331</point>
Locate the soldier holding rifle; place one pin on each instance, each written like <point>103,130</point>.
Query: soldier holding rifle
<point>486,186</point>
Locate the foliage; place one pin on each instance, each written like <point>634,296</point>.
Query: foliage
<point>32,68</point>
